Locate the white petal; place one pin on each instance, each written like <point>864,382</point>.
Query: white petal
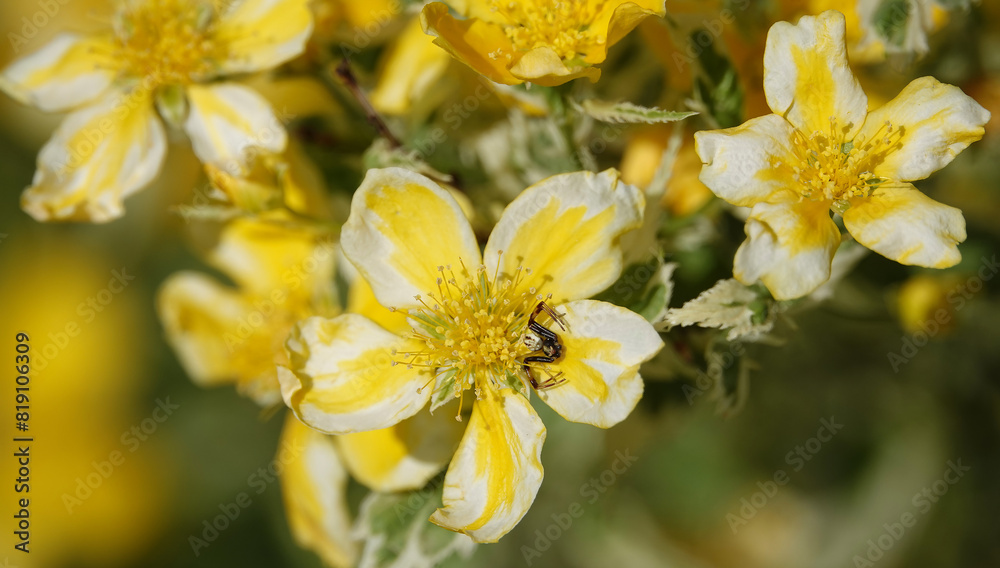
<point>566,230</point>
<point>99,155</point>
<point>602,350</point>
<point>739,162</point>
<point>341,376</point>
<point>789,248</point>
<point>807,79</point>
<point>229,123</point>
<point>314,488</point>
<point>402,227</point>
<point>932,123</point>
<point>261,34</point>
<point>493,479</point>
<point>67,72</point>
<point>904,225</point>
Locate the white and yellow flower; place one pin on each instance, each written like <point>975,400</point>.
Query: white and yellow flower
<point>546,42</point>
<point>159,55</point>
<point>408,237</point>
<point>223,334</point>
<point>822,151</point>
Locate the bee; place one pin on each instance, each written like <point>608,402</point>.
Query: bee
<point>543,340</point>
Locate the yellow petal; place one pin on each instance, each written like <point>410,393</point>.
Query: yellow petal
<point>542,66</point>
<point>402,457</point>
<point>904,225</point>
<point>314,489</point>
<point>566,229</point>
<point>271,258</point>
<point>208,326</point>
<point>341,378</point>
<point>807,79</point>
<point>481,45</point>
<point>740,161</point>
<point>497,469</point>
<point>229,124</point>
<point>603,348</point>
<point>936,122</point>
<point>219,336</point>
<point>411,67</point>
<point>402,227</point>
<point>618,19</point>
<point>98,156</point>
<point>361,300</point>
<point>67,72</point>
<point>260,34</point>
<point>789,248</point>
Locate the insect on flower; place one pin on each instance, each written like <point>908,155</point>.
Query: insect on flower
<point>540,338</point>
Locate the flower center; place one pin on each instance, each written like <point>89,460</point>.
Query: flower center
<point>562,25</point>
<point>828,168</point>
<point>168,41</point>
<point>473,333</point>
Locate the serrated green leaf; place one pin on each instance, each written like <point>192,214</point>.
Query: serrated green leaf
<point>626,112</point>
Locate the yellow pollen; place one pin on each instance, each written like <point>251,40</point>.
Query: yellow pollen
<point>828,168</point>
<point>167,41</point>
<point>563,25</point>
<point>473,330</point>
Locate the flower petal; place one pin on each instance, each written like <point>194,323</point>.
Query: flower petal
<point>566,229</point>
<point>314,489</point>
<point>341,377</point>
<point>411,70</point>
<point>402,457</point>
<point>789,248</point>
<point>543,66</point>
<point>602,350</point>
<point>497,469</point>
<point>206,324</point>
<point>904,225</point>
<point>271,258</point>
<point>482,46</point>
<point>401,228</point>
<point>228,123</point>
<point>807,79</point>
<point>69,71</point>
<point>261,34</point>
<point>98,156</point>
<point>618,19</point>
<point>934,122</point>
<point>740,161</point>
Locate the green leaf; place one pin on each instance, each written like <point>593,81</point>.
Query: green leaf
<point>397,534</point>
<point>381,154</point>
<point>631,113</point>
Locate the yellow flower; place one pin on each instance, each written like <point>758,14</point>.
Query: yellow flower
<point>411,68</point>
<point>685,194</point>
<point>546,42</point>
<point>822,151</point>
<point>223,334</point>
<point>159,55</point>
<point>927,302</point>
<point>411,241</point>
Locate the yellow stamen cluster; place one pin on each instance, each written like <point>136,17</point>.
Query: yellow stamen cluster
<point>472,329</point>
<point>563,25</point>
<point>828,168</point>
<point>167,41</point>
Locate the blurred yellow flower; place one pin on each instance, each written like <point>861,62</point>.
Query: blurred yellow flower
<point>822,151</point>
<point>546,42</point>
<point>222,334</point>
<point>159,55</point>
<point>407,235</point>
<point>685,193</point>
<point>923,303</point>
